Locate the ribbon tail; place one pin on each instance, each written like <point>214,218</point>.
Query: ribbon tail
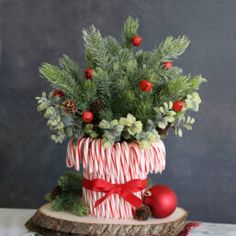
<point>132,199</point>
<point>99,201</point>
<point>188,227</point>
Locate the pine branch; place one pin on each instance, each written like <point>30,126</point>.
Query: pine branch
<point>114,85</point>
<point>171,48</point>
<point>69,196</point>
<point>179,88</point>
<point>71,67</point>
<point>172,73</point>
<point>130,29</point>
<point>60,78</point>
<point>144,110</point>
<point>113,47</point>
<point>88,95</point>
<point>103,84</point>
<point>71,183</point>
<point>95,48</point>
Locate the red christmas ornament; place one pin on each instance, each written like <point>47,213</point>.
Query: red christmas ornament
<point>145,85</point>
<point>88,74</point>
<point>137,40</point>
<point>87,116</point>
<point>58,93</point>
<point>162,201</point>
<point>168,64</point>
<point>178,106</point>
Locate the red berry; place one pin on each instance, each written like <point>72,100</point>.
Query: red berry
<point>145,85</point>
<point>58,93</point>
<point>162,201</point>
<point>168,65</point>
<point>178,106</point>
<point>87,116</point>
<point>137,40</point>
<point>88,74</point>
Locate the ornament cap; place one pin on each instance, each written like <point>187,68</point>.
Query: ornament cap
<point>148,193</point>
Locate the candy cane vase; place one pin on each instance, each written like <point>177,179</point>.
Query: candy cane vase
<point>114,178</point>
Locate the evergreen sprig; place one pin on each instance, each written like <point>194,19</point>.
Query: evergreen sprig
<point>95,48</point>
<point>113,93</point>
<point>171,48</point>
<point>63,76</point>
<point>131,26</point>
<point>68,195</point>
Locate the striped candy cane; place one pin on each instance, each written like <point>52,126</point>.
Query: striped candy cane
<point>118,164</point>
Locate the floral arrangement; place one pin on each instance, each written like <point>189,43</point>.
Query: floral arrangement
<point>124,94</point>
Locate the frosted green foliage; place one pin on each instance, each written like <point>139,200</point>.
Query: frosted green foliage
<point>164,115</point>
<point>188,122</point>
<point>125,128</point>
<point>43,102</point>
<point>103,84</point>
<point>60,123</point>
<point>171,47</point>
<point>193,101</point>
<point>65,76</point>
<point>89,129</point>
<point>122,110</point>
<point>174,72</point>
<point>111,132</point>
<point>185,122</point>
<point>180,87</point>
<point>52,115</point>
<point>132,126</point>
<point>147,138</point>
<point>178,131</point>
<point>95,48</point>
<point>130,29</point>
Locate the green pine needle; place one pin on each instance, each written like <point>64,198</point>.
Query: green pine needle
<point>118,69</point>
<point>131,26</point>
<point>70,197</point>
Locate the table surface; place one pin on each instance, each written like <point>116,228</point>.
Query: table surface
<point>12,224</point>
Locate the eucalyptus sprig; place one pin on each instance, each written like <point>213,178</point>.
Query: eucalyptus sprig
<point>128,94</point>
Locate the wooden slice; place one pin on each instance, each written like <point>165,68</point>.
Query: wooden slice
<point>48,222</point>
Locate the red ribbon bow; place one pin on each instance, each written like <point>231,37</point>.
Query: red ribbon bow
<point>126,191</point>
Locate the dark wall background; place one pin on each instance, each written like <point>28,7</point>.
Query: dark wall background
<point>200,167</point>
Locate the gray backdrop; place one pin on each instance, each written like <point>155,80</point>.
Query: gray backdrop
<point>200,166</point>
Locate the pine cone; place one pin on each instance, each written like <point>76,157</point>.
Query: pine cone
<point>142,213</point>
<point>96,106</point>
<point>70,106</point>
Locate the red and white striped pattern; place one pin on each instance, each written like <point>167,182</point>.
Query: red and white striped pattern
<point>118,164</point>
<point>114,206</point>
